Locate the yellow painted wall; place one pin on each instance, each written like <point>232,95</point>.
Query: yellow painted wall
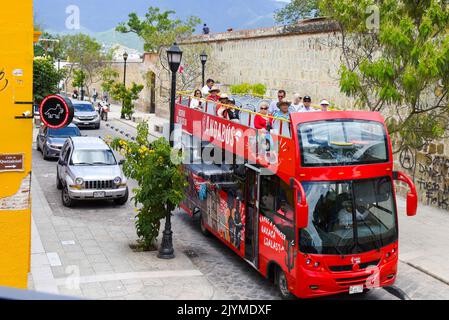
<point>16,53</point>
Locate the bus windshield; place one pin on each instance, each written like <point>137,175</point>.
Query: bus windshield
<point>342,142</point>
<point>348,217</point>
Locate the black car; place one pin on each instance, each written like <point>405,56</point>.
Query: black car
<point>50,141</point>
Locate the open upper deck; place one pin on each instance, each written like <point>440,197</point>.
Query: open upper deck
<point>307,141</point>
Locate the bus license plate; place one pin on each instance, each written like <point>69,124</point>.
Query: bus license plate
<point>99,194</point>
<point>356,289</point>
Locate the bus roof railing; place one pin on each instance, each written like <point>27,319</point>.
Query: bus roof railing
<point>241,109</point>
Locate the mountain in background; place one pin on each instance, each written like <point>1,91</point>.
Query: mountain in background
<point>99,18</point>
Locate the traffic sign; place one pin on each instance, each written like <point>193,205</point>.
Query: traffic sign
<point>56,111</point>
<point>11,162</point>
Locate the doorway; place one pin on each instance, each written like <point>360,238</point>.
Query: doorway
<point>252,214</point>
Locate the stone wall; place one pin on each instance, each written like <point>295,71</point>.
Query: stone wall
<point>298,59</point>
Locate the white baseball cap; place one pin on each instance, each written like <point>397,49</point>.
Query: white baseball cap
<point>324,102</point>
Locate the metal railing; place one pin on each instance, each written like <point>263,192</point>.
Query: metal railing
<point>249,112</point>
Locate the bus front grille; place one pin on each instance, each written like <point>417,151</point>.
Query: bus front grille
<point>348,267</point>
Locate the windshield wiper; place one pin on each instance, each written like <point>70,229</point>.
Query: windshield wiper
<point>83,163</point>
<point>373,237</point>
<point>105,163</point>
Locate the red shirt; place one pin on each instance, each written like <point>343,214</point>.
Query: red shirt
<point>213,98</point>
<point>260,122</point>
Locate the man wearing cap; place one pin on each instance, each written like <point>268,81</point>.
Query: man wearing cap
<point>213,94</point>
<point>209,84</point>
<point>324,105</point>
<point>231,113</point>
<point>307,102</point>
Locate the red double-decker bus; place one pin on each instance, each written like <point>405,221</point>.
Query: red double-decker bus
<point>312,208</point>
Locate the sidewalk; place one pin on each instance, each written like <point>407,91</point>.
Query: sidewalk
<point>152,119</point>
<point>424,240</point>
<point>87,255</point>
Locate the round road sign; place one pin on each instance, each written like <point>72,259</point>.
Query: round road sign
<point>56,111</point>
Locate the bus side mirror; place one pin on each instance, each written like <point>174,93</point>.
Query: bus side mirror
<point>302,215</point>
<point>412,204</point>
<point>412,196</point>
<point>302,208</point>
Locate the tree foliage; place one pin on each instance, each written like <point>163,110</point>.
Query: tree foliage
<point>158,29</point>
<point>45,78</point>
<point>108,78</point>
<point>396,60</point>
<point>257,89</point>
<point>151,165</point>
<point>87,54</point>
<point>79,78</point>
<point>297,10</point>
<point>127,95</point>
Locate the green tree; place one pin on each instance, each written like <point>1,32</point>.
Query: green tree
<point>127,95</point>
<point>79,78</point>
<point>297,10</point>
<point>396,60</point>
<point>151,165</point>
<point>257,89</point>
<point>158,29</point>
<point>108,78</point>
<point>87,54</point>
<point>45,78</point>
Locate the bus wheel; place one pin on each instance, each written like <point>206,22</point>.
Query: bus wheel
<point>203,228</point>
<point>281,281</point>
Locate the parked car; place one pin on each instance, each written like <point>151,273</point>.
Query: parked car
<point>50,141</point>
<point>85,115</point>
<point>88,170</point>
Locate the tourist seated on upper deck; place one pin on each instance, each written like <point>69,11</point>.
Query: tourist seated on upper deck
<point>231,113</point>
<point>195,102</point>
<point>307,101</point>
<point>261,120</point>
<point>209,84</point>
<point>283,110</point>
<point>273,106</point>
<point>297,104</point>
<point>324,104</point>
<point>213,94</point>
<point>223,99</point>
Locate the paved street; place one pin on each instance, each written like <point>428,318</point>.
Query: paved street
<point>92,241</point>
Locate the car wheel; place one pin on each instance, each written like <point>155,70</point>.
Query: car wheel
<point>203,228</point>
<point>37,146</point>
<point>44,154</point>
<point>121,201</point>
<point>97,126</point>
<point>66,200</point>
<point>282,284</point>
<point>58,182</point>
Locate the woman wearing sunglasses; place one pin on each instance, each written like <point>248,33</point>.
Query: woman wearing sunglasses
<point>261,120</point>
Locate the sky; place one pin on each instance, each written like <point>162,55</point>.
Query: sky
<point>104,15</point>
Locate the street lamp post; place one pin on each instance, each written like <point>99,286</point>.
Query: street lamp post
<point>125,58</point>
<point>174,55</point>
<point>203,58</point>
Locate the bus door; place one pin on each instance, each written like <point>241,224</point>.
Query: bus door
<point>251,214</point>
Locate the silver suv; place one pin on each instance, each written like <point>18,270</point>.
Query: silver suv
<point>85,115</point>
<point>88,170</point>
